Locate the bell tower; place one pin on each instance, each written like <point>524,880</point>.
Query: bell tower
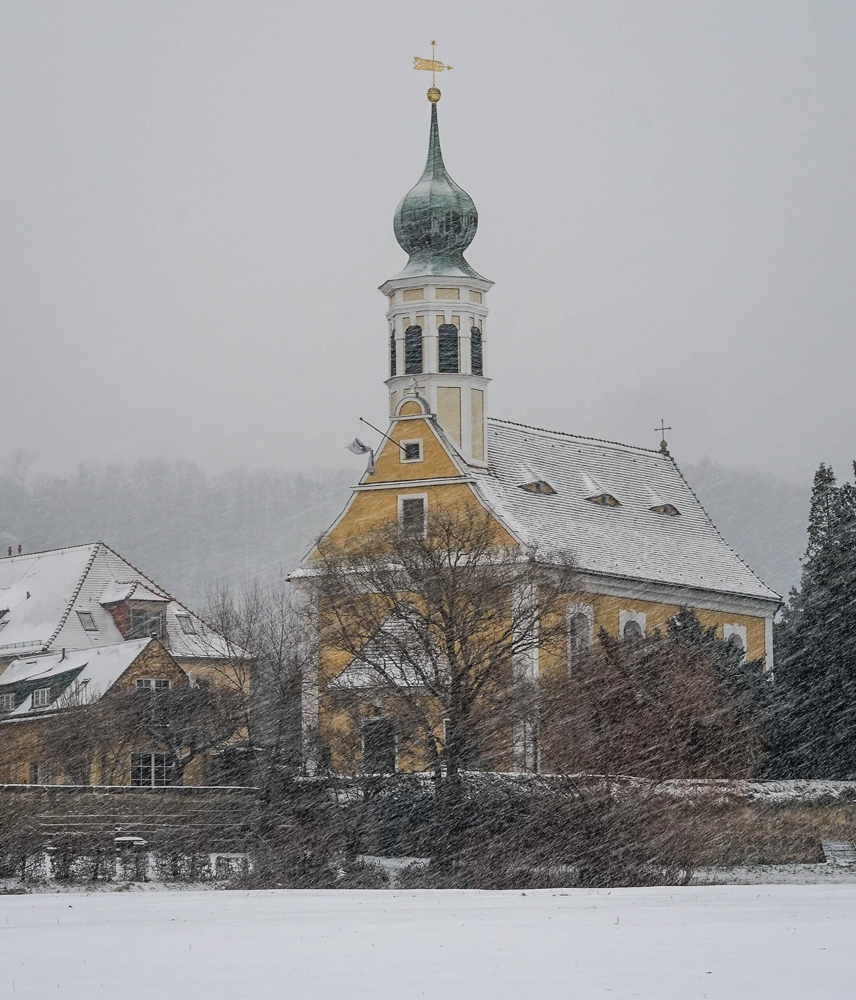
<point>437,312</point>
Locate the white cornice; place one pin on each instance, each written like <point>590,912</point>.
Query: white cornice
<point>410,483</point>
<point>677,594</point>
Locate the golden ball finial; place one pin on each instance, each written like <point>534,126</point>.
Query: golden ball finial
<point>433,94</point>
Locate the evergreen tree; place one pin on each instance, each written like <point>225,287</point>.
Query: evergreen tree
<point>816,645</point>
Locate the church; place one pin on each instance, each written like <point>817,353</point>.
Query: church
<point>641,540</point>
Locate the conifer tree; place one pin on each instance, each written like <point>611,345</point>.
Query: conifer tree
<point>816,644</point>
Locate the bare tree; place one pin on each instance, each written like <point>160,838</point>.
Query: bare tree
<point>266,643</point>
<point>441,633</point>
<point>185,722</point>
<point>95,737</point>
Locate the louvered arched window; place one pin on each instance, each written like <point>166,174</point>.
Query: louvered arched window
<point>392,362</point>
<point>448,334</point>
<point>413,350</point>
<point>476,351</point>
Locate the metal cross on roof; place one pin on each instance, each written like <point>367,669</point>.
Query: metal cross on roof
<point>661,430</point>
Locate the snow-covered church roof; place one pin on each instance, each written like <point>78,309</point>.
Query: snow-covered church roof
<point>61,599</point>
<point>621,511</point>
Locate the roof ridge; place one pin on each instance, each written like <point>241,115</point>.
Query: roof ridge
<point>77,589</point>
<point>58,548</point>
<point>579,437</point>
<point>163,590</point>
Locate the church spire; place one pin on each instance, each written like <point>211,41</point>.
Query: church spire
<point>437,307</point>
<point>436,220</point>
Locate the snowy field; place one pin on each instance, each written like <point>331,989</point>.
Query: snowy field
<point>777,942</point>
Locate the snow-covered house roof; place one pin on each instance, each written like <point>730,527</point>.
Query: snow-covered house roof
<point>604,510</point>
<point>83,675</point>
<point>62,599</point>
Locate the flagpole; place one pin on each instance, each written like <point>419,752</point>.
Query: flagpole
<point>397,445</point>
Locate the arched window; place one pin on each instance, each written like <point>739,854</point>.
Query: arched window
<point>392,360</point>
<point>476,351</point>
<point>632,630</point>
<point>735,642</point>
<point>579,638</point>
<point>413,350</point>
<point>448,347</point>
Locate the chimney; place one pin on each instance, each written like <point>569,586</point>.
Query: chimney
<point>20,549</point>
<point>10,550</point>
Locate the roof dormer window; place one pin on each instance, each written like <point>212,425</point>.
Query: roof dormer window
<point>665,508</point>
<point>538,486</point>
<point>604,500</point>
<point>87,621</point>
<point>186,624</point>
<point>146,623</point>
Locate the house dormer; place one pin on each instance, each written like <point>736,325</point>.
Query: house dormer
<point>137,611</point>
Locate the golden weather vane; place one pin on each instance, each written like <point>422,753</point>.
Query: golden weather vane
<point>434,66</point>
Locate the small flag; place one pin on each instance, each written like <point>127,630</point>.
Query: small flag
<point>358,448</point>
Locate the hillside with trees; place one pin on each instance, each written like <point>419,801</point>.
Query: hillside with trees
<point>189,530</point>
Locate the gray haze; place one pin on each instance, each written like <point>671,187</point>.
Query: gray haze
<point>197,202</point>
<point>190,531</point>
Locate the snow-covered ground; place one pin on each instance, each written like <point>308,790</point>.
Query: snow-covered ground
<point>777,942</point>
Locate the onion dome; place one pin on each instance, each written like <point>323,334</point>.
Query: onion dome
<point>436,220</point>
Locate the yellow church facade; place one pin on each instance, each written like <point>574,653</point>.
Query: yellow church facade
<point>641,542</point>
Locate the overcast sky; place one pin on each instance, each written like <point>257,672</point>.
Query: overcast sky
<point>197,204</point>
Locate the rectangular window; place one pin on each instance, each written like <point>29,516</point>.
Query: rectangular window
<point>153,684</point>
<point>87,621</point>
<point>40,773</point>
<point>41,697</point>
<point>413,294</point>
<point>7,702</point>
<point>410,451</point>
<point>150,770</point>
<point>475,296</point>
<point>186,624</point>
<point>378,746</point>
<point>146,624</point>
<point>447,293</point>
<point>411,517</point>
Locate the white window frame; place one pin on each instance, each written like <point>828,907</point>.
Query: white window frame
<point>153,683</point>
<point>44,700</point>
<point>409,461</point>
<point>151,754</point>
<point>639,617</point>
<point>146,632</point>
<point>87,615</point>
<point>413,496</point>
<point>735,629</point>
<point>7,702</point>
<point>577,608</point>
